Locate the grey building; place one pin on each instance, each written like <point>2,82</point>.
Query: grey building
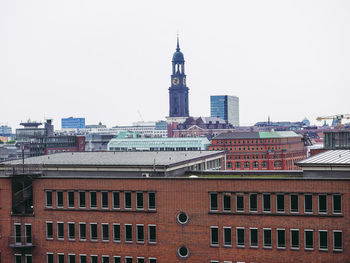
<point>225,107</point>
<point>124,164</point>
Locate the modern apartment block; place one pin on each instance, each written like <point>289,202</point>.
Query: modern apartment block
<point>65,213</point>
<point>225,107</point>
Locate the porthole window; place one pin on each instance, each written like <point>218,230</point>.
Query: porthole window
<point>182,218</point>
<point>183,252</point>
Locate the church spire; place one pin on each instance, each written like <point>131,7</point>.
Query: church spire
<point>177,46</point>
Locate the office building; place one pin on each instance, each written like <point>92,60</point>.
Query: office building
<point>225,107</point>
<point>5,131</point>
<point>261,150</point>
<point>73,123</point>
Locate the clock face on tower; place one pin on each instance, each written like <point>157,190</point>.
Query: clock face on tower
<point>176,81</point>
<point>184,81</point>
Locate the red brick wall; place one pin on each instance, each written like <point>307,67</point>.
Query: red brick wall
<point>192,197</point>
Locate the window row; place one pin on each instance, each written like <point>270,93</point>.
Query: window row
<point>27,258</point>
<point>106,198</point>
<point>83,258</point>
<point>281,201</point>
<point>246,141</point>
<point>82,232</point>
<point>294,235</point>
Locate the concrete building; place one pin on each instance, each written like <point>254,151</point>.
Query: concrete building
<point>225,107</point>
<point>261,150</point>
<point>73,123</point>
<point>72,208</point>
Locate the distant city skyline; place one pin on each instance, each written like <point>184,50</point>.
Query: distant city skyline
<point>110,62</point>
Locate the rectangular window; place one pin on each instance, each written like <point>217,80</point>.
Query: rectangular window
<point>253,202</point>
<point>280,203</point>
<point>127,200</point>
<point>117,259</point>
<point>49,258</point>
<point>337,240</point>
<point>254,237</point>
<point>294,203</point>
<point>48,198</point>
<point>93,231</point>
<point>82,201</point>
<point>71,231</point>
<point>337,204</point>
<point>60,258</point>
<point>227,236</point>
<point>152,234</point>
<point>49,230</point>
<point>18,233</point>
<point>28,259</point>
<point>309,239</point>
<point>322,203</point>
<point>59,197</point>
<point>139,200</point>
<point>281,238</point>
<point>18,259</point>
<point>116,200</point>
<point>28,233</point>
<point>294,239</point>
<point>60,230</point>
<point>267,238</point>
<point>105,259</point>
<point>308,203</point>
<point>116,232</point>
<point>214,236</point>
<point>104,199</point>
<point>240,237</point>
<point>227,202</point>
<point>94,259</point>
<point>93,199</point>
<point>71,258</point>
<point>140,234</point>
<point>140,260</point>
<point>152,260</point>
<point>128,259</point>
<point>105,232</point>
<point>151,201</point>
<point>239,203</point>
<point>323,239</point>
<point>82,259</point>
<point>266,202</point>
<point>213,202</point>
<point>70,199</point>
<point>82,231</point>
<point>128,233</point>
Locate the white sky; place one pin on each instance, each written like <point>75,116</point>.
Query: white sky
<point>106,60</point>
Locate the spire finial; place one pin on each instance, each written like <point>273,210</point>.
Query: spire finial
<point>178,46</point>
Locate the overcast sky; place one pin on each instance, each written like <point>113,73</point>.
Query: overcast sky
<point>108,60</point>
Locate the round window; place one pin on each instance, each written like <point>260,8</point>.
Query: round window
<point>182,218</point>
<point>183,252</point>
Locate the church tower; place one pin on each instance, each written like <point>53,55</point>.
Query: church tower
<point>178,91</point>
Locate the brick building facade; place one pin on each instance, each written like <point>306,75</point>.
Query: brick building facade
<point>97,218</point>
<point>260,150</point>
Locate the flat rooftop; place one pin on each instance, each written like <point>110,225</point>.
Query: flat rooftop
<point>328,158</point>
<point>116,158</point>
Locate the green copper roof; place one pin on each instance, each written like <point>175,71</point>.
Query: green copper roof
<point>279,134</point>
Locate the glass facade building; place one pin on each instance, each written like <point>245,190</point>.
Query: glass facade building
<point>73,123</point>
<point>226,108</point>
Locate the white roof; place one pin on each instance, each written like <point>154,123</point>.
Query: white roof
<point>331,157</point>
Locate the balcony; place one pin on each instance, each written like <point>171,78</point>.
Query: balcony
<point>21,242</point>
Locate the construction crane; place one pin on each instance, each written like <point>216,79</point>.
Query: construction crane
<point>338,117</point>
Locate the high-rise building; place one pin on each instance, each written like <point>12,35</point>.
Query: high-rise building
<point>5,130</point>
<point>178,91</point>
<point>225,107</point>
<point>73,123</point>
